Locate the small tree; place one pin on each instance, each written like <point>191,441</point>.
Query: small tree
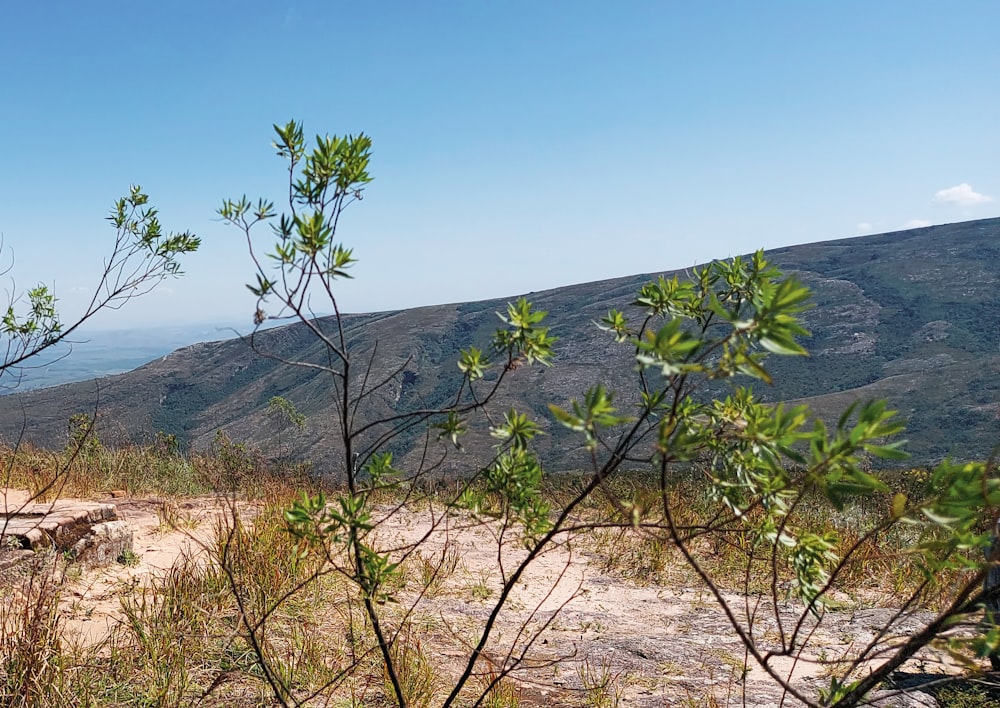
<point>141,257</point>
<point>284,417</point>
<point>695,345</point>
<point>308,261</point>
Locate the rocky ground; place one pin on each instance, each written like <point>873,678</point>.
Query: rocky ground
<point>658,645</point>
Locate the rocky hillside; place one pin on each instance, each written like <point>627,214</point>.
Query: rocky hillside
<point>911,316</point>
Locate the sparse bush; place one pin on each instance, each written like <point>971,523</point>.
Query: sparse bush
<point>414,671</point>
<point>128,558</point>
<point>285,419</point>
<point>600,684</point>
<point>498,691</point>
<point>767,470</point>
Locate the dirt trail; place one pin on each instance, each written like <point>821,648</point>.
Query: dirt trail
<point>662,646</point>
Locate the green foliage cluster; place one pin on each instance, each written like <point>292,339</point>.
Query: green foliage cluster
<point>284,412</point>
<point>695,345</point>
<point>763,463</point>
<point>322,183</point>
<point>142,256</point>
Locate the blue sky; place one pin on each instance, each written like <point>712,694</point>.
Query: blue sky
<point>517,146</point>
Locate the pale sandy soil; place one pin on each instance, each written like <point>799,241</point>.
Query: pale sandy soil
<point>92,605</point>
<point>661,645</point>
<point>664,645</point>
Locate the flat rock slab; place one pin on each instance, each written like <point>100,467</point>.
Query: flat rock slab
<point>89,532</point>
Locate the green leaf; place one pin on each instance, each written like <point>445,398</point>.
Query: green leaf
<point>785,346</point>
<point>938,518</point>
<point>898,507</point>
<point>566,418</point>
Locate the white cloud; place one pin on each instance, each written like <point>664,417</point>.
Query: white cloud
<point>962,195</point>
<point>916,224</point>
<point>864,228</point>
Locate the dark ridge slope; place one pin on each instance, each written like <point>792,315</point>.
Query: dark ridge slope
<point>911,316</point>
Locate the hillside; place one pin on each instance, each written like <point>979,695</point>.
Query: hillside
<point>910,316</point>
<point>109,352</point>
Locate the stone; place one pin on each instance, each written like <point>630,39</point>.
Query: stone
<point>60,524</point>
<point>104,545</point>
<point>904,699</point>
<point>87,532</point>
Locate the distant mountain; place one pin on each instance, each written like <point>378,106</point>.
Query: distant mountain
<point>911,316</point>
<point>95,354</point>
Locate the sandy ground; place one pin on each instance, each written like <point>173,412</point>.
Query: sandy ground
<point>92,606</point>
<point>661,645</point>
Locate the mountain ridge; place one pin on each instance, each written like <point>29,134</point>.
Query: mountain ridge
<point>910,316</point>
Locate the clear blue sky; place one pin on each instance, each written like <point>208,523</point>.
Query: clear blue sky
<point>518,145</point>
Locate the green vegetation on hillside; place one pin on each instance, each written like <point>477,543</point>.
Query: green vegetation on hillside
<point>909,317</point>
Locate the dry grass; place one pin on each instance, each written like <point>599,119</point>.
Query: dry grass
<point>199,631</point>
<point>31,645</point>
<point>878,571</point>
<point>151,470</point>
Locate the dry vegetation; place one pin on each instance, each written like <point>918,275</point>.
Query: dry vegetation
<point>191,633</point>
